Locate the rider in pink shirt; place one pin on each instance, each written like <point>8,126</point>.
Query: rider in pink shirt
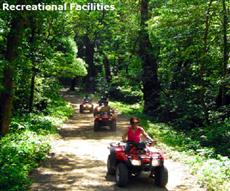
<point>134,132</point>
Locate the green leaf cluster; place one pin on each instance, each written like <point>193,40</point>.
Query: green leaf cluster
<point>19,157</point>
<point>27,144</point>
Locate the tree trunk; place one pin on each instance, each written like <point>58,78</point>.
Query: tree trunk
<point>73,84</point>
<point>203,90</point>
<point>107,69</point>
<point>80,54</point>
<point>151,85</point>
<point>33,70</point>
<point>90,78</point>
<point>32,87</point>
<point>14,39</point>
<point>222,96</point>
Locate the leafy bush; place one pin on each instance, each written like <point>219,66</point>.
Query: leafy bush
<point>126,95</point>
<point>216,135</point>
<point>26,144</point>
<point>125,91</point>
<point>19,154</point>
<point>59,108</point>
<point>37,123</point>
<point>215,173</point>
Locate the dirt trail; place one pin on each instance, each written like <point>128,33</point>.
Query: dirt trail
<point>77,161</point>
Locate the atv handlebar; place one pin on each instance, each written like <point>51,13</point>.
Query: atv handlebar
<point>152,142</point>
<point>147,142</point>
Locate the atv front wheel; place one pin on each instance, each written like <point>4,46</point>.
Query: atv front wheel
<point>113,126</point>
<point>96,126</point>
<point>161,176</point>
<point>111,164</point>
<point>122,175</point>
<point>81,110</point>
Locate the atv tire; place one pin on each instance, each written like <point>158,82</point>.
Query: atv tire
<point>122,175</point>
<point>113,126</point>
<point>96,126</point>
<point>81,110</point>
<point>111,162</point>
<point>161,176</point>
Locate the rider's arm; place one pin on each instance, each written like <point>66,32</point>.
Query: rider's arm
<point>124,136</point>
<point>146,135</point>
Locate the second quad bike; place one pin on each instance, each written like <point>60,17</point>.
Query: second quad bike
<point>86,106</point>
<point>105,119</point>
<point>125,164</point>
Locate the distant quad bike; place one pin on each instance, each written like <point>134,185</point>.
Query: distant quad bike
<point>105,119</point>
<point>86,106</point>
<point>126,164</point>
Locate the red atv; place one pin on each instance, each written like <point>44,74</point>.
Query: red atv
<point>105,119</point>
<point>125,164</point>
<point>86,106</point>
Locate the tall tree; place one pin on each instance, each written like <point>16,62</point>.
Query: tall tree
<point>151,85</point>
<point>89,58</point>
<point>203,61</point>
<point>222,96</point>
<point>107,68</point>
<point>33,61</point>
<point>14,40</point>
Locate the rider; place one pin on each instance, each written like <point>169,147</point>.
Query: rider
<point>86,99</point>
<point>102,100</point>
<point>134,132</point>
<point>105,108</point>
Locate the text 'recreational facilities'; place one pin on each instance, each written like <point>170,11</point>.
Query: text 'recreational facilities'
<point>62,7</point>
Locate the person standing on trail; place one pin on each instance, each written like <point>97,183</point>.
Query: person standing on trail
<point>134,132</point>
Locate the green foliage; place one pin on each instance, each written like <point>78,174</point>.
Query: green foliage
<point>59,109</point>
<point>37,123</point>
<point>47,51</point>
<point>19,157</point>
<point>179,30</point>
<point>216,135</point>
<point>216,173</point>
<point>64,62</point>
<point>44,122</point>
<point>125,91</point>
<point>28,143</point>
<point>102,85</point>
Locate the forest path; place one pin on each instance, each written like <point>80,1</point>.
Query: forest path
<point>77,161</point>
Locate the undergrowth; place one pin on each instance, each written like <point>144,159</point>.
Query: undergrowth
<point>27,144</point>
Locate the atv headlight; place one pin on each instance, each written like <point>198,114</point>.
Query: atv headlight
<point>136,162</point>
<point>155,163</point>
